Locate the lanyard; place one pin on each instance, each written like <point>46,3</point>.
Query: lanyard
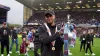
<point>49,32</point>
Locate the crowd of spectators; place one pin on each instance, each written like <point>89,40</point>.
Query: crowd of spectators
<point>75,17</point>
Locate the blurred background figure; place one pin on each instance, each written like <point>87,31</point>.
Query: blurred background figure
<point>92,36</point>
<point>83,40</point>
<point>4,33</point>
<point>73,40</point>
<point>37,44</point>
<point>88,43</point>
<point>14,40</point>
<point>30,38</point>
<point>23,46</point>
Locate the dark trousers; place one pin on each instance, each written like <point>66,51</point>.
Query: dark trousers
<point>83,43</point>
<point>16,42</point>
<point>92,42</point>
<point>4,43</point>
<point>36,48</point>
<point>88,47</point>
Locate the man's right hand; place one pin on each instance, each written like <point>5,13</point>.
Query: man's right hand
<point>60,32</point>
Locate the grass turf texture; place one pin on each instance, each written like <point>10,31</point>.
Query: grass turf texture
<point>75,50</point>
<point>95,48</point>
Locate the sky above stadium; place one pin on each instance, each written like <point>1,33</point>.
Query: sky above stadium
<point>15,15</point>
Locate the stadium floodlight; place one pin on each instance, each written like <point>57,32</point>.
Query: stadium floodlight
<point>40,4</point>
<point>41,9</point>
<point>78,7</point>
<point>83,7</point>
<point>79,2</point>
<point>56,8</point>
<point>34,8</point>
<point>56,3</point>
<point>98,4</point>
<point>98,10</point>
<point>87,5</point>
<point>74,7</point>
<point>65,8</point>
<point>45,9</point>
<point>60,8</point>
<point>94,6</point>
<point>69,2</point>
<point>47,4</point>
<point>89,1</point>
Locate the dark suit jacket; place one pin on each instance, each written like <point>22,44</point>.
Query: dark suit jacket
<point>4,37</point>
<point>92,36</point>
<point>14,34</point>
<point>83,36</point>
<point>46,47</point>
<point>36,41</point>
<point>88,38</point>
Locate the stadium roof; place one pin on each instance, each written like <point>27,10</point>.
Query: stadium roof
<point>4,7</point>
<point>61,4</point>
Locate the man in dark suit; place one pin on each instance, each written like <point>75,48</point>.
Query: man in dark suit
<point>83,40</point>
<point>51,42</point>
<point>88,43</point>
<point>37,43</point>
<point>4,33</point>
<point>92,36</point>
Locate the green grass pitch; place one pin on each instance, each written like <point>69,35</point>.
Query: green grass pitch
<point>75,50</point>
